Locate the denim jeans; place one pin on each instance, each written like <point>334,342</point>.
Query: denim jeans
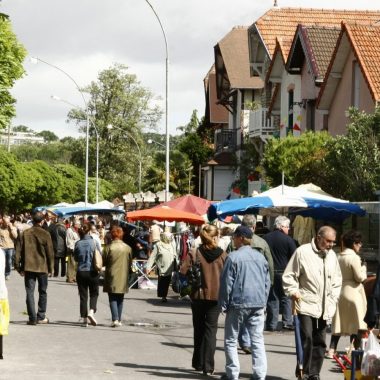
<point>278,300</point>
<point>253,318</point>
<point>8,260</point>
<point>30,283</point>
<point>116,305</point>
<point>244,339</point>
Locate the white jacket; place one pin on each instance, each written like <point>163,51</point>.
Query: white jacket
<point>316,276</point>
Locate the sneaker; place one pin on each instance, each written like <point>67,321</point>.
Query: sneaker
<point>115,324</point>
<point>7,277</point>
<point>44,321</point>
<point>83,322</point>
<point>31,323</point>
<point>91,317</point>
<point>288,327</point>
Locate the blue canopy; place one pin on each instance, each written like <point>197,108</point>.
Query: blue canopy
<point>75,210</point>
<point>285,199</point>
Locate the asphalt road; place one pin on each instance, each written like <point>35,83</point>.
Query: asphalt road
<point>155,341</point>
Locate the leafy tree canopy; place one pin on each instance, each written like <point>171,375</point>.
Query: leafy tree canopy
<point>12,54</point>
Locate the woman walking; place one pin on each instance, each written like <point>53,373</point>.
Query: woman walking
<point>164,256</point>
<point>87,277</point>
<point>352,305</point>
<point>117,258</point>
<point>204,305</point>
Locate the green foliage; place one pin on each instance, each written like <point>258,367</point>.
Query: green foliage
<point>300,158</point>
<point>180,170</point>
<point>354,159</point>
<point>12,54</point>
<point>118,99</point>
<point>48,136</point>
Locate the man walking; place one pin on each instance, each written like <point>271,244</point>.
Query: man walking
<point>8,236</point>
<point>282,247</point>
<point>313,279</point>
<point>35,261</point>
<point>244,289</point>
<point>262,246</point>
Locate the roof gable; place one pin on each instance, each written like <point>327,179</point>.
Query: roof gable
<point>232,62</point>
<point>315,44</point>
<point>363,40</point>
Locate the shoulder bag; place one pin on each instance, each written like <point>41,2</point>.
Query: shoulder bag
<point>97,260</point>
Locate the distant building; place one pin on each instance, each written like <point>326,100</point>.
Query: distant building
<point>19,138</point>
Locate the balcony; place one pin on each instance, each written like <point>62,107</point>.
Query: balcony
<point>225,140</point>
<point>260,125</point>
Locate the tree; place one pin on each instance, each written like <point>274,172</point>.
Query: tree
<point>353,160</point>
<point>300,158</point>
<point>12,54</point>
<point>195,148</point>
<point>48,136</point>
<point>22,128</point>
<point>118,99</point>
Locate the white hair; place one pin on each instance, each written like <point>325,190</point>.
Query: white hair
<point>281,221</point>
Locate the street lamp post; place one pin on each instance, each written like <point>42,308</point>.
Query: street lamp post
<point>167,171</point>
<point>109,126</point>
<point>54,97</point>
<point>36,60</point>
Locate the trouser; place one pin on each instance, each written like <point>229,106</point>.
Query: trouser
<point>278,300</point>
<point>88,282</point>
<point>71,266</point>
<point>116,305</point>
<point>9,252</point>
<point>30,279</point>
<point>313,336</point>
<point>253,318</point>
<point>163,286</point>
<point>57,261</point>
<point>205,324</point>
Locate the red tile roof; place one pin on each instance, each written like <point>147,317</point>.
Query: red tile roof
<point>282,22</point>
<point>365,40</point>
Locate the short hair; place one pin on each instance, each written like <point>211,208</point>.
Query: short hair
<point>225,231</point>
<point>249,220</point>
<point>207,233</point>
<point>350,238</point>
<point>281,221</point>
<point>117,233</point>
<point>38,217</point>
<point>324,230</point>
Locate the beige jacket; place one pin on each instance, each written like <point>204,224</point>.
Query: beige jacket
<point>316,276</point>
<point>352,305</point>
<point>163,256</point>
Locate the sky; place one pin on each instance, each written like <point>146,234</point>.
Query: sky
<point>84,37</point>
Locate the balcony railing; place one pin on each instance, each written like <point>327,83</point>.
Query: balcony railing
<point>260,125</point>
<point>225,140</point>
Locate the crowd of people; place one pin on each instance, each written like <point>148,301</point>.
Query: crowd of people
<point>251,279</point>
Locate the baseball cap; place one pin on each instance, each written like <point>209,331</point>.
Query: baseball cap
<point>244,231</point>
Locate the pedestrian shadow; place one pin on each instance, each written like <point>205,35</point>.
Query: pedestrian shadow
<point>166,312</point>
<point>186,346</point>
<point>167,372</point>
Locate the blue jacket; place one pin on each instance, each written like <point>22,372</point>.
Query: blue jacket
<point>84,251</point>
<point>245,280</point>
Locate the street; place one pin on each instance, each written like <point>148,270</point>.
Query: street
<point>155,341</point>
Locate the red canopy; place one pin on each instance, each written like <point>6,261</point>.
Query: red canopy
<point>165,213</point>
<point>189,203</point>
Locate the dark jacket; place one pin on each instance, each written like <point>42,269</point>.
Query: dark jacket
<point>35,251</point>
<point>211,272</point>
<point>59,240</point>
<point>282,247</point>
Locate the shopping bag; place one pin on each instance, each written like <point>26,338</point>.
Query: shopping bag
<point>371,357</point>
<point>4,316</point>
<point>179,281</point>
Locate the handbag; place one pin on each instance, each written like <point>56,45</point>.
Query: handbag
<point>4,316</point>
<point>97,260</point>
<point>371,358</point>
<point>194,274</point>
